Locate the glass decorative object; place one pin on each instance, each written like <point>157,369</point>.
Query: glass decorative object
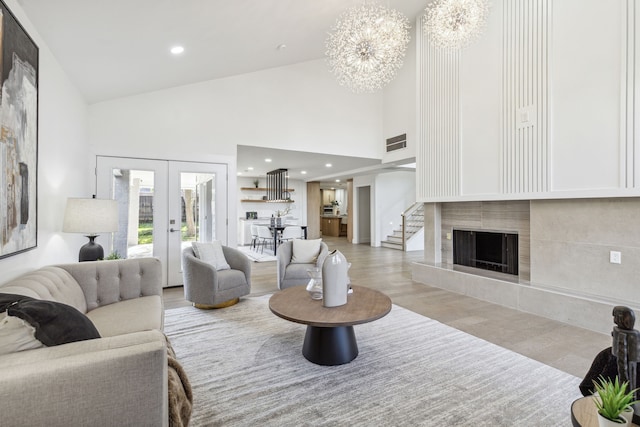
<point>314,287</point>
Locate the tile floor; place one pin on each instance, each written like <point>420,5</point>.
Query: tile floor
<point>568,348</point>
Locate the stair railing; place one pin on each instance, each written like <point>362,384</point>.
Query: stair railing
<point>406,214</point>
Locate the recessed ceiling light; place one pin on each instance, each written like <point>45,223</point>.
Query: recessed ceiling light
<point>177,50</point>
<point>267,160</point>
<point>328,165</point>
<point>337,180</point>
<point>281,46</point>
<point>250,168</point>
<point>303,172</point>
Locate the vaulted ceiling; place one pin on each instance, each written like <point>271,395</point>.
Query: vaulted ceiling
<point>121,47</point>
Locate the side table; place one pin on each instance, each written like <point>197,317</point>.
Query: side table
<point>585,414</point>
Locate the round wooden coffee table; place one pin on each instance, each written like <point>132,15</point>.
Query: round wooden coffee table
<point>330,339</point>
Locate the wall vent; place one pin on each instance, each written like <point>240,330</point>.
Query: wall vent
<point>397,142</point>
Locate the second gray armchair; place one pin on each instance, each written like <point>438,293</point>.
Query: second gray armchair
<point>295,273</point>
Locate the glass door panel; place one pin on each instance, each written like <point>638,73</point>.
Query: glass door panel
<point>134,191</point>
<point>140,188</point>
<point>197,209</point>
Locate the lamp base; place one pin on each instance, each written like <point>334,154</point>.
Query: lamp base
<point>91,251</point>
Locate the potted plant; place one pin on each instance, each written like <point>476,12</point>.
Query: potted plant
<point>335,205</point>
<point>114,255</point>
<point>256,182</point>
<point>612,399</point>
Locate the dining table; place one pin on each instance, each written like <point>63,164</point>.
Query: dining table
<point>277,229</point>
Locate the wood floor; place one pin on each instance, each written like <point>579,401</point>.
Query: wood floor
<point>556,344</point>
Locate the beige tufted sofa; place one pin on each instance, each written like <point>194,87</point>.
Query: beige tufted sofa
<point>119,379</point>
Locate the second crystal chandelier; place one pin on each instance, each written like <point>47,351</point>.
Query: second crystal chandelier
<point>366,47</point>
<point>454,23</point>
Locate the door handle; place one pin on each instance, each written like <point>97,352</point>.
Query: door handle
<point>173,230</point>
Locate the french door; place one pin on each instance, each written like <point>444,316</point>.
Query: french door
<point>163,207</point>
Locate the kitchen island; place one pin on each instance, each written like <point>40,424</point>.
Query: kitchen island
<point>332,225</point>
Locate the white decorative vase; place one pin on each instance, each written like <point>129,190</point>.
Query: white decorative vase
<point>605,422</point>
<point>335,280</point>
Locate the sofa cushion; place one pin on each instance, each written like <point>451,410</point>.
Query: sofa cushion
<point>16,335</point>
<point>298,271</point>
<point>55,323</point>
<point>127,316</point>
<point>48,283</point>
<point>230,279</point>
<point>211,253</point>
<point>305,251</point>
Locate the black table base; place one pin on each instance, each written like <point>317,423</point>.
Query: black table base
<point>330,346</point>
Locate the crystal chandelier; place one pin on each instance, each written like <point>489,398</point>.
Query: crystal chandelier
<point>366,47</point>
<point>454,23</point>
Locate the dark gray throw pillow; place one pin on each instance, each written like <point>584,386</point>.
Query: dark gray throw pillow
<point>55,323</point>
<point>7,299</point>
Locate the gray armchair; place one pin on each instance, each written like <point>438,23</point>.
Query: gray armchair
<point>295,274</point>
<point>207,288</point>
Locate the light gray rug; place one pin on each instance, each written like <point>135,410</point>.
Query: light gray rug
<point>256,255</point>
<point>246,369</point>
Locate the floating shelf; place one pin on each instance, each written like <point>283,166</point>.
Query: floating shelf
<point>290,190</point>
<point>266,201</point>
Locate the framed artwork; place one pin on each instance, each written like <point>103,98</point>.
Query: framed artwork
<point>18,137</point>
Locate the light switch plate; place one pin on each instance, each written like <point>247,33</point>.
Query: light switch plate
<point>615,257</point>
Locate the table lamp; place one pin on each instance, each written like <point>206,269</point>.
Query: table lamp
<point>90,217</point>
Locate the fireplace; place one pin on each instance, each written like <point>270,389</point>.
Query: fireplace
<point>487,250</point>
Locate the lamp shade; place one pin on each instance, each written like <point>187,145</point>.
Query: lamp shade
<point>90,216</point>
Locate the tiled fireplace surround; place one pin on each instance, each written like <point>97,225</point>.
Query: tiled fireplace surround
<point>563,245</point>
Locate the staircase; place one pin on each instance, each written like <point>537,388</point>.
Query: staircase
<point>412,223</point>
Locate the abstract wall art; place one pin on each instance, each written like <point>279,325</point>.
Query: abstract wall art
<point>18,136</point>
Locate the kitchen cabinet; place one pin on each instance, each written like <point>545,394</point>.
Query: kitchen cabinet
<point>328,196</point>
<point>331,226</point>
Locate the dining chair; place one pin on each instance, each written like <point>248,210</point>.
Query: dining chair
<point>254,236</point>
<point>264,236</point>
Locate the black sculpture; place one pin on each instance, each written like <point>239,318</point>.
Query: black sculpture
<point>621,359</point>
<point>626,345</point>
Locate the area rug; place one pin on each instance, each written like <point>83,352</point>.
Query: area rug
<point>246,369</point>
<point>265,256</point>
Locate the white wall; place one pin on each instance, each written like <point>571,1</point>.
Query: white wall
<point>297,107</point>
<point>586,70</point>
<point>400,107</point>
<point>573,73</point>
<point>63,165</point>
<point>480,104</point>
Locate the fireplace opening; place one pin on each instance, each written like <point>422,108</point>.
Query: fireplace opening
<point>486,250</point>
